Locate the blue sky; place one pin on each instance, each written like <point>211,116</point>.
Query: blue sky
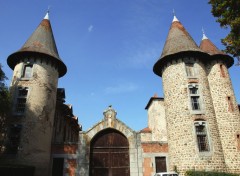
<point>109,47</point>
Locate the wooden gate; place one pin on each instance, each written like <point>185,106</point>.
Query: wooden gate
<point>109,154</point>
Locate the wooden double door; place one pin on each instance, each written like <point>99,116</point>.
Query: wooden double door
<point>109,154</point>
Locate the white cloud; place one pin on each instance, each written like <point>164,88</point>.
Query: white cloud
<point>141,55</point>
<point>90,28</point>
<point>121,88</point>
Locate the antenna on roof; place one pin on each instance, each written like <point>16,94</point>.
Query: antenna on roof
<point>48,8</point>
<point>47,14</point>
<point>174,16</point>
<point>204,35</point>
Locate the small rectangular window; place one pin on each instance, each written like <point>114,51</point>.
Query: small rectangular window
<point>195,97</point>
<point>27,71</point>
<point>190,70</point>
<point>201,134</point>
<point>230,104</point>
<point>222,72</point>
<point>21,100</point>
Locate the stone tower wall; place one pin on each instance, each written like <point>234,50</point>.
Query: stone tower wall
<point>157,120</point>
<point>37,121</point>
<point>227,113</point>
<point>183,149</point>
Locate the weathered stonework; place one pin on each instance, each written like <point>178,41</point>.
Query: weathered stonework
<point>183,150</point>
<point>37,120</point>
<point>228,118</point>
<point>157,120</point>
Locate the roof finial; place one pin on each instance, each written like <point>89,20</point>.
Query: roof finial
<point>174,16</point>
<point>204,36</point>
<point>47,15</point>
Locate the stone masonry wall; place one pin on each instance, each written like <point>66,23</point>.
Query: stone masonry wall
<point>183,149</point>
<point>37,121</point>
<point>227,113</point>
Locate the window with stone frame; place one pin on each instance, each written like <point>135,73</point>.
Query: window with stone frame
<point>190,69</point>
<point>21,100</point>
<point>27,71</point>
<point>202,136</point>
<point>194,97</point>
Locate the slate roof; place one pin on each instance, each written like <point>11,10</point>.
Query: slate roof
<point>40,42</point>
<point>178,42</point>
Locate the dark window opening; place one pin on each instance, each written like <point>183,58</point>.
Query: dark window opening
<point>27,71</point>
<point>57,167</point>
<point>195,98</point>
<point>222,71</point>
<point>230,104</point>
<point>21,100</point>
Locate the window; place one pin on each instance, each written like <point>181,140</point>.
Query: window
<point>27,71</point>
<point>190,70</point>
<point>238,142</point>
<point>14,138</point>
<point>195,97</point>
<point>230,104</point>
<point>222,72</point>
<point>202,137</point>
<point>21,100</point>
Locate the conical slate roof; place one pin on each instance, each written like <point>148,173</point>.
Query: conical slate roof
<point>40,42</point>
<point>207,46</point>
<point>178,42</point>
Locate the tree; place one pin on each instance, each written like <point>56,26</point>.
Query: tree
<point>4,109</point>
<point>228,15</point>
<point>4,94</point>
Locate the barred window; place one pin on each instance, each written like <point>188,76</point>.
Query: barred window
<point>21,100</point>
<point>201,135</point>
<point>195,97</point>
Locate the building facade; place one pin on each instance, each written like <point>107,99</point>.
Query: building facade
<point>196,126</point>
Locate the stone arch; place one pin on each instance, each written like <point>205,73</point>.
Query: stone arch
<point>88,136</point>
<point>109,154</point>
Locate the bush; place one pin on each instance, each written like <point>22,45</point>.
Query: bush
<point>204,173</point>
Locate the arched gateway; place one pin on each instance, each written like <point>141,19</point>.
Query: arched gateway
<point>109,154</point>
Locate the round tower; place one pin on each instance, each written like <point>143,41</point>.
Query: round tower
<point>193,135</point>
<point>224,102</point>
<point>37,67</point>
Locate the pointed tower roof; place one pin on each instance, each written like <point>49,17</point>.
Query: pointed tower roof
<point>40,42</point>
<point>207,46</point>
<point>178,42</point>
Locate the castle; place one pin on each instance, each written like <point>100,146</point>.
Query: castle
<point>196,126</point>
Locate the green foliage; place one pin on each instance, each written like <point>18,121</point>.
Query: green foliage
<point>4,94</point>
<point>228,15</point>
<point>204,173</point>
